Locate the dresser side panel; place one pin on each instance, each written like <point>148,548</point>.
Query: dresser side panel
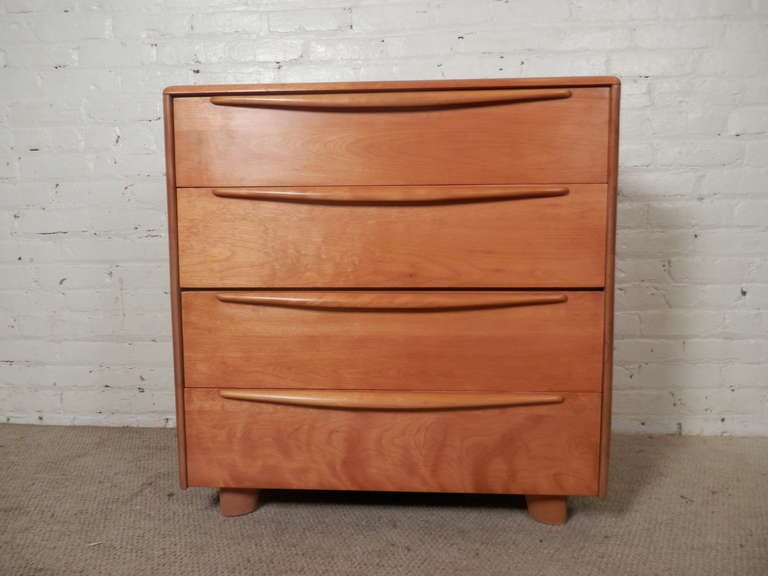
<point>610,265</point>
<point>175,292</point>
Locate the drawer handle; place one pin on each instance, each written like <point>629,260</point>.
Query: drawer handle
<point>351,101</point>
<point>390,400</point>
<point>393,194</point>
<point>393,301</point>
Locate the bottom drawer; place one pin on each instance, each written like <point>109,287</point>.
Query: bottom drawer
<point>394,441</point>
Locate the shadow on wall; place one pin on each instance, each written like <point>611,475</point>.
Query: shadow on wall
<point>685,324</point>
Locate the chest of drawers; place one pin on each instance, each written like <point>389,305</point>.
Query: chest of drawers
<point>399,286</point>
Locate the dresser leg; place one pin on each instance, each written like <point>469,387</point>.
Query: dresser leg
<point>237,501</point>
<point>547,509</point>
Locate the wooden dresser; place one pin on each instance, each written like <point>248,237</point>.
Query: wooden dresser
<point>398,286</point>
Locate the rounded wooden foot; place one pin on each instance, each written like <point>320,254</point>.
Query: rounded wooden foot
<point>237,501</point>
<point>547,509</point>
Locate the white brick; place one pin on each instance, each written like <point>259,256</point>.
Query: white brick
<point>67,26</point>
<point>39,55</point>
<point>651,63</point>
<point>703,270</point>
<point>394,17</point>
<point>752,213</point>
<point>346,49</point>
<point>635,350</point>
<point>712,91</point>
<point>83,247</point>
<point>649,376</point>
<point>755,92</point>
<point>727,350</point>
<point>681,323</point>
<point>546,11</point>
<point>16,28</point>
<point>47,166</point>
<point>745,376</point>
<point>228,23</point>
<point>33,6</point>
<point>551,64</point>
<point>694,118</point>
<point>746,36</point>
<point>310,20</point>
<point>678,35</point>
<point>706,296</point>
<point>699,153</point>
<point>703,9</point>
<point>639,154</point>
<point>734,182</point>
<point>632,215</point>
<point>134,24</point>
<point>688,402</point>
<point>236,51</point>
<point>753,120</point>
<point>594,38</point>
<point>719,62</point>
<point>687,214</point>
<point>104,53</point>
<point>66,111</point>
<point>18,84</point>
<point>757,154</point>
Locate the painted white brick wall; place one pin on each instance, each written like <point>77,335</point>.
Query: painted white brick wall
<point>84,326</point>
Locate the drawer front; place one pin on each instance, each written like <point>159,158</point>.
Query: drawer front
<point>473,236</point>
<point>466,137</point>
<point>398,340</point>
<point>549,448</point>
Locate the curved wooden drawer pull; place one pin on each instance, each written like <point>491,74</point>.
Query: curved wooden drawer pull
<point>393,301</point>
<point>394,194</point>
<point>389,400</point>
<point>352,101</point>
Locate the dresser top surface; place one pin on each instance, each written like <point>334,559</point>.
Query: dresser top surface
<point>555,82</point>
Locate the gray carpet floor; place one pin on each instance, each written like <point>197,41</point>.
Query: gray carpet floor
<point>104,501</point>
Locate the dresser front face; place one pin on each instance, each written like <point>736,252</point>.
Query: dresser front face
<point>442,250</point>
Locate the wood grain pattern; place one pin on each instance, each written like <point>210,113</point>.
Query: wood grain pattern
<point>394,194</point>
<point>610,264</point>
<point>548,141</point>
<point>406,85</point>
<point>390,400</point>
<point>397,186</point>
<point>393,301</point>
<point>353,101</point>
<point>555,347</point>
<point>548,449</point>
<point>533,242</point>
<point>175,292</point>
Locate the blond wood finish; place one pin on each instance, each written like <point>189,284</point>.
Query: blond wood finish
<point>562,140</point>
<point>550,347</point>
<point>393,301</point>
<point>544,449</point>
<point>610,259</point>
<point>547,509</point>
<point>394,194</point>
<point>390,400</point>
<point>550,242</point>
<point>173,244</point>
<point>238,501</point>
<point>390,100</point>
<point>388,86</point>
<point>403,186</point>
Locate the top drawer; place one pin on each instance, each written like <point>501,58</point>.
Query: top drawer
<point>481,136</point>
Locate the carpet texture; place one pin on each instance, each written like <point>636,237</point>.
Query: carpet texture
<point>104,501</point>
